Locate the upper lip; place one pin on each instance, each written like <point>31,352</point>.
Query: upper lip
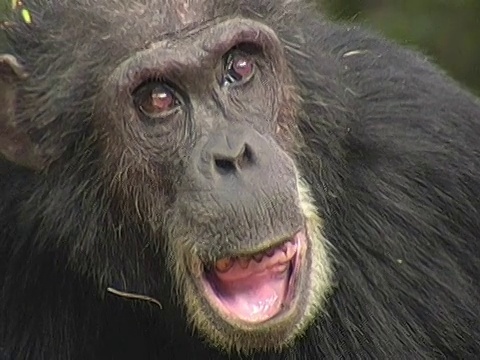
<point>251,251</point>
<point>257,264</point>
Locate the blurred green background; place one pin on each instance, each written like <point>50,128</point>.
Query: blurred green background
<point>446,30</point>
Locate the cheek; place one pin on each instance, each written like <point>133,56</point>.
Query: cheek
<point>289,105</point>
<point>256,103</point>
<point>140,170</point>
<point>265,93</point>
<point>126,141</point>
<point>139,186</point>
<point>251,100</point>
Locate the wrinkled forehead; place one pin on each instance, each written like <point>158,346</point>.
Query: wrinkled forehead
<point>191,11</point>
<point>180,13</point>
<point>170,15</point>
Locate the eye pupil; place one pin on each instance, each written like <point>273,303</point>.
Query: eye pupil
<point>155,100</point>
<point>242,67</point>
<point>161,100</point>
<point>239,69</point>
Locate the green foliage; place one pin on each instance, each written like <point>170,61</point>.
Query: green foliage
<point>448,31</point>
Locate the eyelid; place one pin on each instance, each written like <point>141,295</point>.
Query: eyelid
<point>247,32</point>
<point>177,92</point>
<point>143,76</point>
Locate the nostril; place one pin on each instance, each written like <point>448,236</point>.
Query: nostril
<point>247,156</point>
<point>225,166</point>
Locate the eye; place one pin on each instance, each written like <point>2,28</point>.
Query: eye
<point>155,100</point>
<point>239,68</point>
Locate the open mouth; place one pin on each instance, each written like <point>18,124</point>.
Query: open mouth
<point>259,287</point>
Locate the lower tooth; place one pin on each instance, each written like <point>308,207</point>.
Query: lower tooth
<point>243,262</point>
<point>258,258</point>
<point>224,265</point>
<point>282,268</point>
<point>291,251</point>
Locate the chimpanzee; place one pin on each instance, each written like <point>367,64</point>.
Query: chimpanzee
<point>231,179</point>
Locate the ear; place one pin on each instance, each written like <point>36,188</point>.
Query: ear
<point>15,144</point>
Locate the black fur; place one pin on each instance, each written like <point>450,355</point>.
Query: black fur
<point>391,153</point>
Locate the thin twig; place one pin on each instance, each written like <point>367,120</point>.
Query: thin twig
<point>134,296</point>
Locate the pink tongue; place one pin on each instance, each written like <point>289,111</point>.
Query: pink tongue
<point>254,290</point>
<point>257,297</point>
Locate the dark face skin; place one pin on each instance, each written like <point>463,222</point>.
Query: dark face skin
<point>181,107</point>
<point>195,134</point>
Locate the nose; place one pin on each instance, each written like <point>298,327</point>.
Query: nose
<point>231,154</point>
<point>235,159</point>
<point>229,151</point>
